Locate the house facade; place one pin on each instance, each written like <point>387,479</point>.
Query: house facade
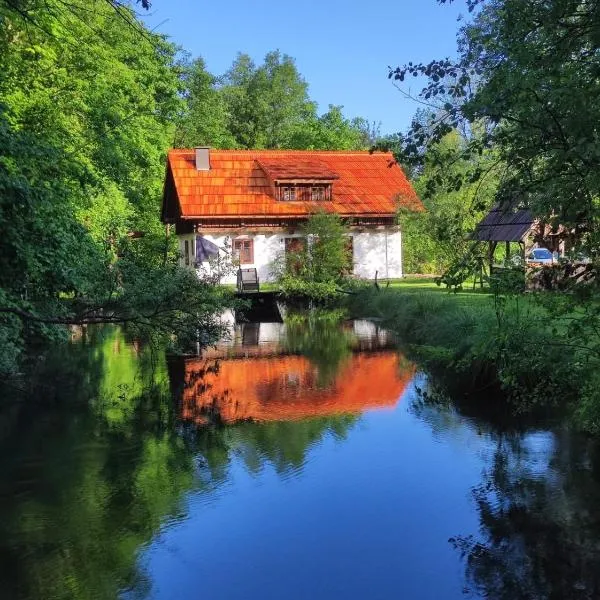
<point>252,204</point>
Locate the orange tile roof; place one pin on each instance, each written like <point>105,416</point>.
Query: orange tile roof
<point>297,168</point>
<point>238,186</point>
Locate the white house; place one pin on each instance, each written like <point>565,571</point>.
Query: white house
<point>254,202</point>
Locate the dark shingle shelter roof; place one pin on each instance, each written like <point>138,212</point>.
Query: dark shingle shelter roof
<point>504,223</point>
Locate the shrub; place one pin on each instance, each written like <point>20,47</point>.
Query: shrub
<point>317,269</point>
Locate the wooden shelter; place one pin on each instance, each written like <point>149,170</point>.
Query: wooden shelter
<point>505,223</point>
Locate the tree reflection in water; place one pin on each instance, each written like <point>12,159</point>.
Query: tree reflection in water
<point>319,337</point>
<point>538,503</point>
<point>89,476</point>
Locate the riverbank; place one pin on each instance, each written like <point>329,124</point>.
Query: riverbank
<point>482,347</point>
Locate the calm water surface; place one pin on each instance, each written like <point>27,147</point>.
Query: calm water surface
<point>294,461</point>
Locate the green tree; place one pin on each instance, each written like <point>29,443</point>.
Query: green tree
<point>435,238</point>
<point>264,106</point>
<point>204,119</point>
<point>319,267</point>
<point>331,131</point>
<point>266,103</point>
<point>527,70</point>
<point>89,99</point>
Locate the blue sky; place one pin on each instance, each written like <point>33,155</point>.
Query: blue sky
<point>342,48</point>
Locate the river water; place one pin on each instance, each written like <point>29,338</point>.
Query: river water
<point>299,460</point>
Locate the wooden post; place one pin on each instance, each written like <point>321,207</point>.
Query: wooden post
<point>167,234</point>
<point>492,248</point>
<point>507,252</point>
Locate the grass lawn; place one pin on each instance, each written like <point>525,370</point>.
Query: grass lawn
<point>465,297</point>
<point>417,284</point>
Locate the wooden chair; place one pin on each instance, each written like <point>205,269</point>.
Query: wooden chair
<point>247,280</point>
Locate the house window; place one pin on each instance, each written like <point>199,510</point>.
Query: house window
<point>288,193</point>
<point>244,250</point>
<point>304,192</point>
<point>318,193</point>
<point>186,254</point>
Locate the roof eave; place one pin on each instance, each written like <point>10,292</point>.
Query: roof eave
<point>287,215</point>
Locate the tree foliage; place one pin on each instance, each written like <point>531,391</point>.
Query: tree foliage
<point>205,118</point>
<point>89,99</point>
<point>454,205</point>
<point>527,74</point>
<point>262,106</point>
<point>267,102</point>
<point>319,266</point>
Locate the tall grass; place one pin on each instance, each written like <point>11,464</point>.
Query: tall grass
<point>478,345</point>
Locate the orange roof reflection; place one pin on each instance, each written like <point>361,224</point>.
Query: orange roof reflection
<point>284,388</point>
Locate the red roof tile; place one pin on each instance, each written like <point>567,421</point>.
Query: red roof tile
<point>297,168</point>
<point>237,183</point>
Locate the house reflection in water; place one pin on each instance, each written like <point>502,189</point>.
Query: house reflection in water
<point>269,379</point>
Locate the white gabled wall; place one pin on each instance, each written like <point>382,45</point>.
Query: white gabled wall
<point>376,250</point>
<point>267,247</point>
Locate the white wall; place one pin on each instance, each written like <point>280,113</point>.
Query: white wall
<point>378,251</point>
<point>369,252</point>
<point>268,333</point>
<point>267,247</point>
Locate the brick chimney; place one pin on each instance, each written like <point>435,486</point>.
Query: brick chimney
<point>203,158</point>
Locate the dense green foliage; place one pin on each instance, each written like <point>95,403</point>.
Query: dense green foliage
<point>436,238</point>
<point>527,76</point>
<point>523,93</point>
<point>204,119</point>
<point>91,100</point>
<point>265,106</point>
<point>319,267</point>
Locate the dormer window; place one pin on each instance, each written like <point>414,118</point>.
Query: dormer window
<point>288,193</point>
<point>304,192</point>
<point>299,179</point>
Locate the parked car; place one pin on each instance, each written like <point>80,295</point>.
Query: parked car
<point>540,256</point>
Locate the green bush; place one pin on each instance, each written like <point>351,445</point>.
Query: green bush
<point>301,289</point>
<point>317,270</point>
